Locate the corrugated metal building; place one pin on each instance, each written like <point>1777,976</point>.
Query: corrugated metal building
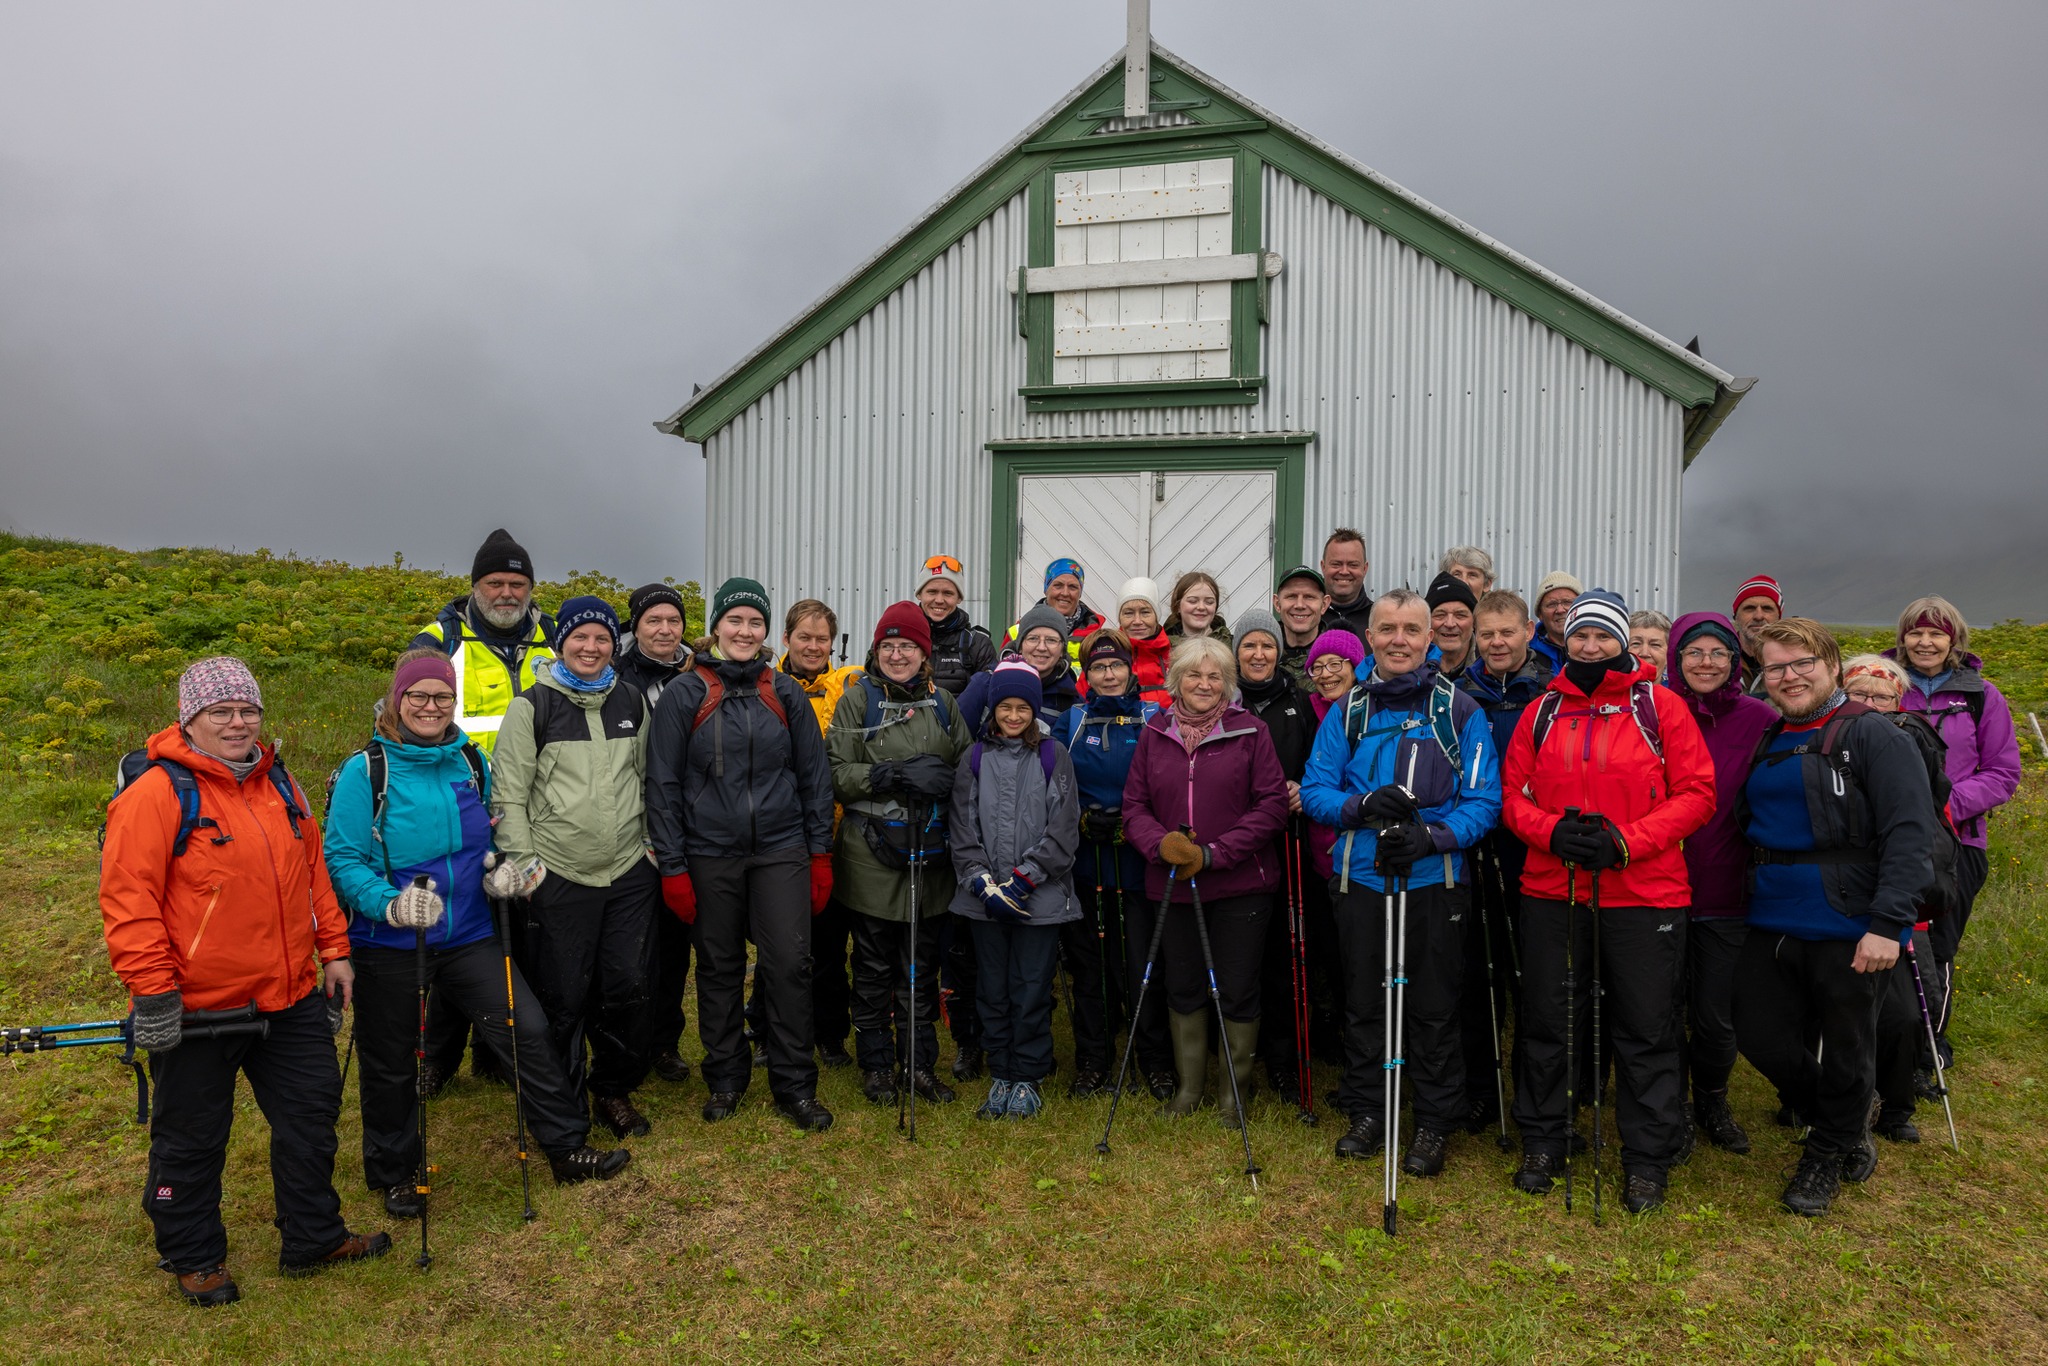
<point>1194,337</point>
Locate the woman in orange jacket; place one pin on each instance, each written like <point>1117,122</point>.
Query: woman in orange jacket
<point>215,897</point>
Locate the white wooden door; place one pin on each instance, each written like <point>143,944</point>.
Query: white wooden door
<point>1158,524</point>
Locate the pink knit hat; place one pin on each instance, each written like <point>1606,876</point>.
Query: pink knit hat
<point>223,678</point>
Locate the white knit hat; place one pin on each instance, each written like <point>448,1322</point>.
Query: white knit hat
<point>1139,590</point>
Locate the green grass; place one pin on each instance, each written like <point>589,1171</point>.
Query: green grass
<point>751,1242</point>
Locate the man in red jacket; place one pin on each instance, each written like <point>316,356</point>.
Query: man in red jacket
<point>1608,741</point>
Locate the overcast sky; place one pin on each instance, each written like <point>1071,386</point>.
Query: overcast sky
<point>356,279</point>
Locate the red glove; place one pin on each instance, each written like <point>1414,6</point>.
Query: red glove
<point>680,894</point>
<point>821,881</point>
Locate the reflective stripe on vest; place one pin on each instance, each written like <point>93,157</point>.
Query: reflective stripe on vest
<point>484,688</point>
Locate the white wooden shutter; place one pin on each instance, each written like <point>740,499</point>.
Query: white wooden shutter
<point>1172,211</point>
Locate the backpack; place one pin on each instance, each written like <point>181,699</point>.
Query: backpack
<point>1047,758</point>
<point>880,713</point>
<point>185,786</point>
<point>1642,706</point>
<point>378,765</point>
<point>715,693</point>
<point>1944,896</point>
<point>1443,724</point>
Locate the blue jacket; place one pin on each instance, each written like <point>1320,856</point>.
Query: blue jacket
<point>434,822</point>
<point>1505,701</point>
<point>1101,735</point>
<point>1458,805</point>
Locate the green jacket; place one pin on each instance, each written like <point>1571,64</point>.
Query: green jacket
<point>573,794</point>
<point>859,879</point>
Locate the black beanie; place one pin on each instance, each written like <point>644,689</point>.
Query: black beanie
<point>652,595</point>
<point>1449,588</point>
<point>500,554</point>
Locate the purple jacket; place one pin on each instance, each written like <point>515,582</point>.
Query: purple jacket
<point>1983,756</point>
<point>1231,790</point>
<point>1716,855</point>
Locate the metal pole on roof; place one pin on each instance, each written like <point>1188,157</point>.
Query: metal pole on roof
<point>1138,60</point>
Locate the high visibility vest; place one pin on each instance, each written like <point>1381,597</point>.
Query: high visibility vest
<point>484,687</point>
<point>824,691</point>
<point>1073,643</point>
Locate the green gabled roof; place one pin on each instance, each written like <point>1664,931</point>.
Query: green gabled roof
<point>1217,110</point>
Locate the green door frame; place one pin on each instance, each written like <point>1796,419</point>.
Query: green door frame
<point>1284,453</point>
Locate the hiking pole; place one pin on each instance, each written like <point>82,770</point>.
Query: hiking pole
<point>1927,1020</point>
<point>198,1024</point>
<point>1599,1077</point>
<point>1395,1062</point>
<point>1500,1085</point>
<point>1571,1020</point>
<point>1297,934</point>
<point>424,1182</point>
<point>1131,1039</point>
<point>503,914</point>
<point>909,1092</point>
<point>1244,1121</point>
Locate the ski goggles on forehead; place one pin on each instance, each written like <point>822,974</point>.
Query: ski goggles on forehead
<point>942,564</point>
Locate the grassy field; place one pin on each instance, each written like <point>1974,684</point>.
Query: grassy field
<point>751,1242</point>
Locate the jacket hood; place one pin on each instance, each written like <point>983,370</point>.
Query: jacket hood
<point>170,743</point>
<point>1968,674</point>
<point>1128,704</point>
<point>405,752</point>
<point>1720,700</point>
<point>955,622</point>
<point>1159,643</point>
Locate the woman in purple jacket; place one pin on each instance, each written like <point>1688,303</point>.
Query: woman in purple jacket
<point>1206,796</point>
<point>1973,720</point>
<point>1701,668</point>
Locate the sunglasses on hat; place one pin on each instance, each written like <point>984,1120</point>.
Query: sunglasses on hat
<point>942,564</point>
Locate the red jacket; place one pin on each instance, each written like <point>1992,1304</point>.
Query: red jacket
<point>246,920</point>
<point>1602,764</point>
<point>1149,658</point>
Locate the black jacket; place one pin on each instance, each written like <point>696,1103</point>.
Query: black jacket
<point>747,783</point>
<point>1290,717</point>
<point>1355,618</point>
<point>649,675</point>
<point>960,650</point>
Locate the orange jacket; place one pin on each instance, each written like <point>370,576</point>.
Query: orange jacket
<point>226,923</point>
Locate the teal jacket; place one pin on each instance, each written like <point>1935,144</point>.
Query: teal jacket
<point>435,823</point>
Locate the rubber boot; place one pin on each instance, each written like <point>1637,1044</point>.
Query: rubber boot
<point>1243,1036</point>
<point>1190,1060</point>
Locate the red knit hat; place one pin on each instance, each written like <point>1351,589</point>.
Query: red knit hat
<point>905,621</point>
<point>1761,586</point>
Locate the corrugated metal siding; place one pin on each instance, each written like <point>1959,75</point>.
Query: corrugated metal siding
<point>1443,416</point>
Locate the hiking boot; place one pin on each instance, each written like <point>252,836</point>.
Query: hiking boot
<point>1481,1115</point>
<point>878,1084</point>
<point>966,1064</point>
<point>430,1080</point>
<point>1925,1087</point>
<point>1161,1083</point>
<point>1362,1139</point>
<point>834,1055</point>
<point>1814,1185</point>
<point>996,1105</point>
<point>1190,1035</point>
<point>617,1114</point>
<point>1236,1090</point>
<point>404,1201</point>
<point>929,1087</point>
<point>1539,1172</point>
<point>1642,1190</point>
<point>721,1105</point>
<point>209,1288</point>
<point>1285,1081</point>
<point>808,1114</point>
<point>1897,1127</point>
<point>1025,1102</point>
<point>356,1247</point>
<point>1425,1156</point>
<point>671,1067</point>
<point>1713,1118</point>
<point>1859,1164</point>
<point>1087,1081</point>
<point>588,1164</point>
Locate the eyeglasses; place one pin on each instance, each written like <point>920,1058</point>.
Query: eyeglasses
<point>1706,656</point>
<point>1801,667</point>
<point>228,716</point>
<point>896,647</point>
<point>942,564</point>
<point>431,701</point>
<point>1873,694</point>
<point>1327,668</point>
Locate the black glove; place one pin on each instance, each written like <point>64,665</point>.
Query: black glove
<point>1389,805</point>
<point>336,1008</point>
<point>1608,851</point>
<point>1575,840</point>
<point>160,1021</point>
<point>885,778</point>
<point>1402,846</point>
<point>1102,827</point>
<point>928,777</point>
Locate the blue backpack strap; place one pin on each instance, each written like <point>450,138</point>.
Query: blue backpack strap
<point>294,808</point>
<point>1048,758</point>
<point>186,788</point>
<point>974,758</point>
<point>1443,717</point>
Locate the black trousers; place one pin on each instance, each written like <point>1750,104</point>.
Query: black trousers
<point>831,987</point>
<point>1901,1039</point>
<point>1325,982</point>
<point>1433,1069</point>
<point>1153,1045</point>
<point>1495,914</point>
<point>960,975</point>
<point>470,979</point>
<point>449,1031</point>
<point>671,981</point>
<point>1940,944</point>
<point>1642,978</point>
<point>1093,949</point>
<point>881,991</point>
<point>1237,940</point>
<point>590,956</point>
<point>1014,995</point>
<point>297,1082</point>
<point>765,898</point>
<point>1713,948</point>
<point>1789,989</point>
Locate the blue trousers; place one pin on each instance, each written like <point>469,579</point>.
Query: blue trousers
<point>1014,986</point>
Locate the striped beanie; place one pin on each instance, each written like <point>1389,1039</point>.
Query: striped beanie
<point>1601,609</point>
<point>1759,586</point>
